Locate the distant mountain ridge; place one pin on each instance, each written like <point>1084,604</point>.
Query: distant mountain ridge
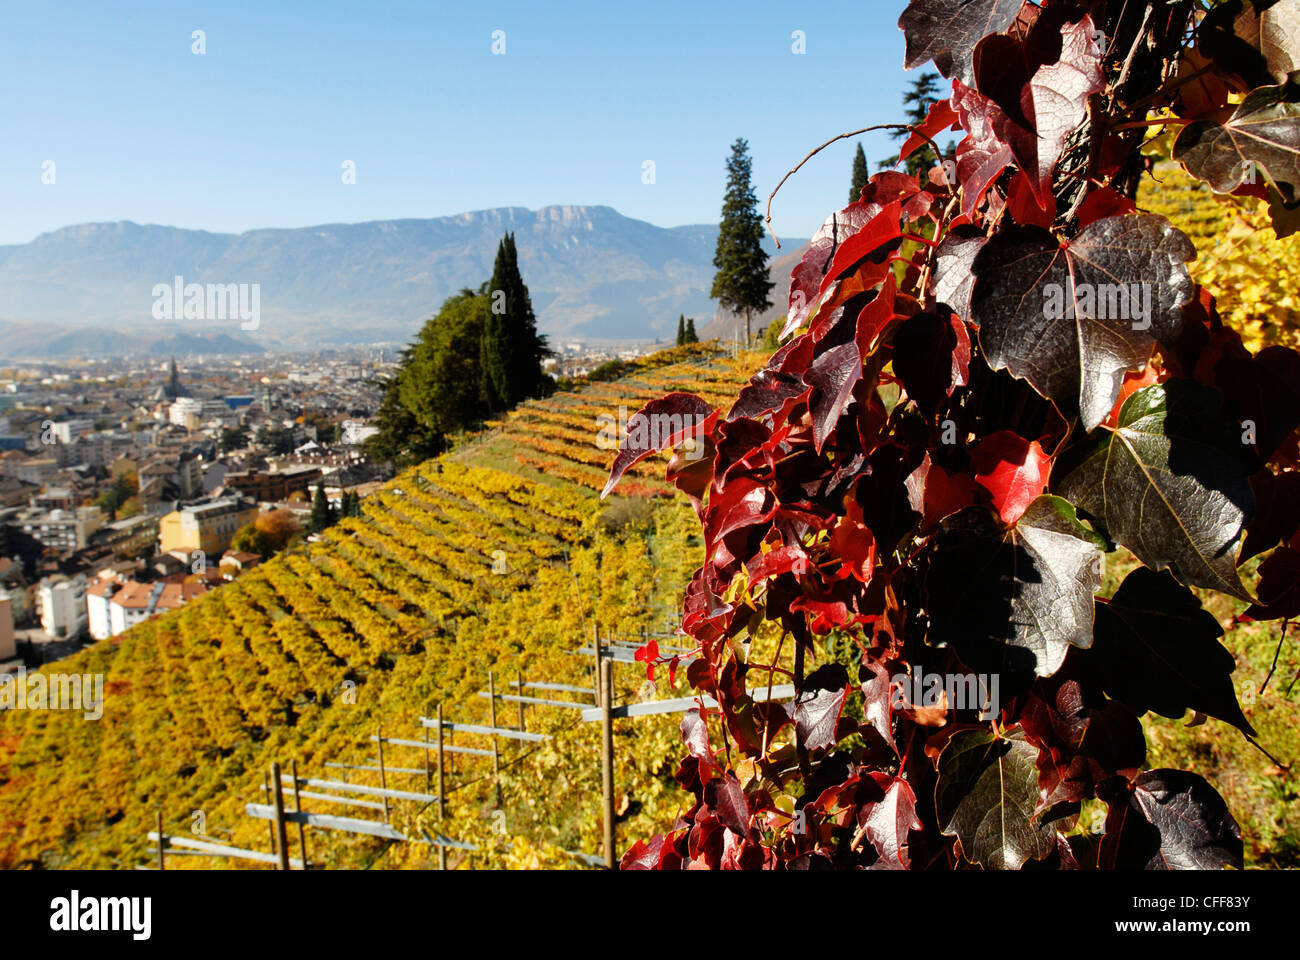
<point>592,273</point>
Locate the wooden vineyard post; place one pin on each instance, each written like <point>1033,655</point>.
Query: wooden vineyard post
<point>520,675</point>
<point>270,824</point>
<point>428,774</point>
<point>442,791</point>
<point>383,779</point>
<point>297,808</point>
<point>442,787</point>
<point>161,864</point>
<point>281,835</point>
<point>595,653</point>
<point>492,722</point>
<point>607,756</point>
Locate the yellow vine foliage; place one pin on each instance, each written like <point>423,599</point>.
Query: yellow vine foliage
<point>1254,276</point>
<point>496,557</point>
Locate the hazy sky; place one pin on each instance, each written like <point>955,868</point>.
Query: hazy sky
<point>255,131</point>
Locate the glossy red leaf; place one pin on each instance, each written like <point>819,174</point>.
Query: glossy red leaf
<point>982,155</point>
<point>1103,202</point>
<point>1040,87</point>
<point>887,823</point>
<point>940,117</point>
<point>936,493</point>
<point>816,709</point>
<point>811,273</point>
<point>1012,469</point>
<point>661,423</point>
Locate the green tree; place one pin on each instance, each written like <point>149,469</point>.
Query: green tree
<point>860,175</point>
<point>251,539</point>
<point>511,350</point>
<point>741,284</point>
<point>232,438</point>
<point>916,103</point>
<point>772,335</point>
<point>276,439</point>
<point>691,336</point>
<point>322,514</point>
<point>119,492</point>
<point>681,329</point>
<point>436,391</point>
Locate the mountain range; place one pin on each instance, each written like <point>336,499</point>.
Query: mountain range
<point>593,274</point>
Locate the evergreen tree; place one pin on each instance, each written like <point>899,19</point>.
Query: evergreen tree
<point>691,336</point>
<point>512,350</point>
<point>322,514</point>
<point>681,329</point>
<point>860,175</point>
<point>741,284</point>
<point>495,346</point>
<point>916,102</point>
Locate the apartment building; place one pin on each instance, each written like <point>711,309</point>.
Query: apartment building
<point>208,526</point>
<point>62,605</point>
<point>114,605</point>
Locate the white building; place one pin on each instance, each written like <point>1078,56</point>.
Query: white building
<point>68,430</point>
<point>62,606</point>
<point>114,605</point>
<point>183,409</point>
<point>355,432</point>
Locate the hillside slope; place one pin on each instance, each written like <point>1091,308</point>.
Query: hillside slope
<point>305,657</point>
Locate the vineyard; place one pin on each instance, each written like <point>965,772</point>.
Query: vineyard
<point>497,557</point>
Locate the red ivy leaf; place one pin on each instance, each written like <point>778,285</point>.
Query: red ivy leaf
<point>852,542</point>
<point>1103,202</point>
<point>649,655</point>
<point>887,822</point>
<point>727,798</point>
<point>947,31</point>
<point>816,709</point>
<point>661,423</point>
<point>878,701</point>
<point>1012,469</point>
<point>982,155</point>
<point>1023,204</point>
<point>941,117</point>
<point>1040,86</point>
<point>807,279</point>
<point>935,493</point>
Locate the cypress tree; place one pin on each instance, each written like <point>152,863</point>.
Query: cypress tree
<point>691,336</point>
<point>495,346</point>
<point>322,514</point>
<point>512,350</point>
<point>681,329</point>
<point>859,175</point>
<point>741,284</point>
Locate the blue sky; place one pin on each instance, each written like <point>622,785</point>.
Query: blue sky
<point>254,132</point>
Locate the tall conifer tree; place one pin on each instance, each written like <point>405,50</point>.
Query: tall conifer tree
<point>860,175</point>
<point>742,284</point>
<point>512,350</point>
